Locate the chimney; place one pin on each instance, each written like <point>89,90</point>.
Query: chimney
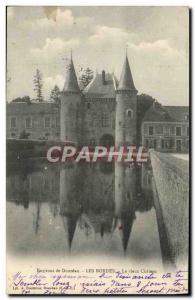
<point>103,77</point>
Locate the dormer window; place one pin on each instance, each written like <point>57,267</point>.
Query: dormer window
<point>129,113</point>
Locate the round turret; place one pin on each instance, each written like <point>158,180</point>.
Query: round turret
<point>71,109</point>
<point>126,102</point>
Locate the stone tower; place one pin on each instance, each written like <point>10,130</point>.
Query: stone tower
<point>70,112</point>
<point>70,200</point>
<point>125,134</point>
<point>126,100</point>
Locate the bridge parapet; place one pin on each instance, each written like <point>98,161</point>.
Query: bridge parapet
<point>171,177</point>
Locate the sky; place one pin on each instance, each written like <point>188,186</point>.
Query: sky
<point>156,38</point>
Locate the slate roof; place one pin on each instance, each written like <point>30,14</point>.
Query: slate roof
<point>126,79</point>
<point>71,83</point>
<point>178,112</point>
<point>97,89</point>
<point>21,108</point>
<point>157,113</point>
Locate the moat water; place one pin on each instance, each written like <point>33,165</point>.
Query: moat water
<point>83,210</point>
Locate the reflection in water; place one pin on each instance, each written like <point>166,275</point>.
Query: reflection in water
<point>70,198</point>
<point>86,201</point>
<point>125,200</point>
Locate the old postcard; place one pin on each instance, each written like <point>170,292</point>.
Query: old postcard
<point>98,140</point>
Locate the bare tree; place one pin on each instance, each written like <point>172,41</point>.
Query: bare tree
<point>38,85</point>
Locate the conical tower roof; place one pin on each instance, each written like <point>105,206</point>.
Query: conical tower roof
<point>126,224</point>
<point>71,83</point>
<point>126,79</point>
<point>70,222</point>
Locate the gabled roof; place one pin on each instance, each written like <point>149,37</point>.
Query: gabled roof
<point>157,113</point>
<point>71,83</point>
<point>179,113</point>
<point>97,89</point>
<point>126,79</point>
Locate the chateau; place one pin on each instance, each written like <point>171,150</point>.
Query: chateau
<point>106,112</point>
<point>99,198</point>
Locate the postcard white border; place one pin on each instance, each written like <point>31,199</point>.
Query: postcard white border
<point>3,4</point>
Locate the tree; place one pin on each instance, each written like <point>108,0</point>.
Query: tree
<point>38,85</point>
<point>144,102</point>
<point>85,78</point>
<point>55,94</point>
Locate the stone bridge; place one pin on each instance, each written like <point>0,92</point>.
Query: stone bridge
<point>171,199</point>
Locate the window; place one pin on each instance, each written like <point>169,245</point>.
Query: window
<point>155,144</point>
<point>94,120</point>
<point>104,120</point>
<point>187,144</point>
<point>146,143</point>
<point>13,134</point>
<point>88,105</point>
<point>57,122</point>
<point>129,113</point>
<point>187,131</point>
<point>28,122</point>
<point>186,117</point>
<point>172,143</point>
<point>178,145</point>
<point>13,122</point>
<point>47,122</point>
<point>151,130</point>
<point>159,129</point>
<point>166,130</point>
<point>172,130</point>
<point>145,129</point>
<point>178,131</point>
<point>166,144</point>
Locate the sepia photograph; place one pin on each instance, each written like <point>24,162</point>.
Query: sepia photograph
<point>97,150</point>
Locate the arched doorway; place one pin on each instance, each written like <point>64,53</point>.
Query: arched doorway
<point>107,140</point>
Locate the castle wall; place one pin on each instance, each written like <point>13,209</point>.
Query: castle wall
<point>164,137</point>
<point>125,132</point>
<point>33,121</point>
<point>171,177</point>
<point>99,119</point>
<point>71,117</point>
